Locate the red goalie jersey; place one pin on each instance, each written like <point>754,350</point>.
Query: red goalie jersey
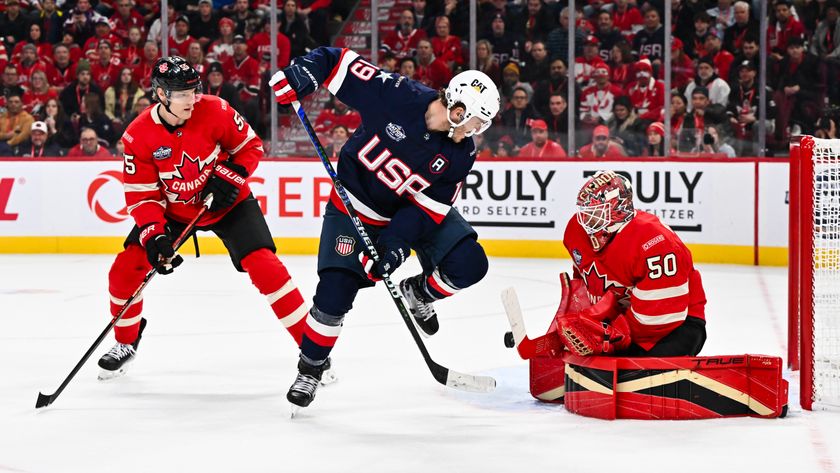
<point>166,169</point>
<point>650,270</point>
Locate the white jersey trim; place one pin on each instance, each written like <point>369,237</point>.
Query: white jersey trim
<point>118,301</point>
<point>251,136</point>
<point>128,322</point>
<point>431,204</point>
<point>162,203</point>
<point>295,316</point>
<point>323,330</point>
<point>278,294</point>
<point>659,294</point>
<point>141,187</point>
<point>341,73</point>
<point>365,210</point>
<point>660,319</point>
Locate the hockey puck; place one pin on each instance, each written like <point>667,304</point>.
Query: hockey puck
<point>509,341</point>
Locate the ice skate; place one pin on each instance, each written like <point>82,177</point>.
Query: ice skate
<point>328,376</point>
<point>302,391</point>
<point>420,305</point>
<point>115,363</point>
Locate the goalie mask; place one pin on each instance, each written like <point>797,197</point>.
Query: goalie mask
<point>604,206</point>
<point>477,93</point>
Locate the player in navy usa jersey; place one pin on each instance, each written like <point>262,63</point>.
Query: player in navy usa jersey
<point>403,169</point>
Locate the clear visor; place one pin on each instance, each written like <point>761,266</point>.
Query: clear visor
<point>189,96</point>
<point>594,218</point>
<point>474,125</point>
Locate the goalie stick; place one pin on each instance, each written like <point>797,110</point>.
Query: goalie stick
<point>47,399</point>
<point>545,345</point>
<point>445,376</point>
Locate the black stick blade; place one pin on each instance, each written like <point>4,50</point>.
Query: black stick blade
<point>43,401</point>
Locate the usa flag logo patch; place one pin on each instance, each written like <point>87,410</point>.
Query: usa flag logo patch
<point>344,245</point>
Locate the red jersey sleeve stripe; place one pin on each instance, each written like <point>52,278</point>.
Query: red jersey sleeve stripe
<point>339,72</point>
<point>433,208</point>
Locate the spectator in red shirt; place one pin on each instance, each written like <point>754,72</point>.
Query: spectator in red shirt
<point>63,70</point>
<point>89,147</point>
<point>338,114</point>
<point>540,146</point>
<point>242,71</point>
<point>627,19</point>
<point>103,31</point>
<point>38,93</point>
<point>124,18</point>
<point>403,41</point>
<point>195,56</point>
<point>621,64</point>
<point>143,71</point>
<point>682,67</point>
<point>132,53</point>
<point>179,43</point>
<point>446,46</point>
<point>259,46</point>
<point>29,63</point>
<point>106,70</point>
<point>44,49</point>
<point>585,65</point>
<point>222,49</point>
<point>783,29</point>
<point>601,146</point>
<point>647,94</point>
<point>431,71</point>
<point>721,58</point>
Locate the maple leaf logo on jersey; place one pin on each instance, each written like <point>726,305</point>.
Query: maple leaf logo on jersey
<point>597,284</point>
<point>185,183</point>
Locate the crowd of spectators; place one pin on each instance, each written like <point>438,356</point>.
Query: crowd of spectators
<point>76,72</point>
<point>618,72</point>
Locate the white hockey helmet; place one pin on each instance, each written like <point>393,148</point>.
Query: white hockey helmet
<point>477,93</point>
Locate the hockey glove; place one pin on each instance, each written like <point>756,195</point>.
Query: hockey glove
<point>392,253</point>
<point>225,183</point>
<point>159,248</point>
<point>291,81</point>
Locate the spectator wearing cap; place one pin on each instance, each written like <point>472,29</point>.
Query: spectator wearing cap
<point>717,88</point>
<point>38,93</point>
<point>585,65</point>
<point>655,135</point>
<point>537,65</point>
<point>37,145</point>
<point>222,49</point>
<point>204,24</point>
<point>749,52</point>
<point>721,58</point>
<point>293,25</point>
<point>89,146</point>
<point>13,23</point>
<point>81,21</point>
<point>783,29</point>
<point>695,122</point>
<point>72,97</point>
<point>745,26</point>
<point>647,94</point>
<point>431,70</point>
<point>43,49</point>
<point>259,46</point>
<point>402,41</point>
<point>627,19</point>
<point>696,46</point>
<point>536,21</point>
<point>243,72</point>
<point>626,128</point>
<point>488,10</point>
<point>504,147</point>
<point>596,103</point>
<point>156,30</point>
<point>825,44</point>
<point>607,34</point>
<point>29,63</point>
<point>601,145</point>
<point>515,118</point>
<point>124,18</point>
<point>120,99</point>
<point>15,122</point>
<point>51,20</point>
<point>540,146</point>
<point>558,38</point>
<point>650,41</point>
<point>742,110</point>
<point>180,41</point>
<point>106,69</point>
<point>218,86</point>
<point>506,46</point>
<point>510,82</point>
<point>338,114</point>
<point>446,46</point>
<point>682,67</point>
<point>486,63</point>
<point>798,91</point>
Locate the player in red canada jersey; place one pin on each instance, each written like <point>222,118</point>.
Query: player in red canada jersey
<point>643,296</point>
<point>177,152</point>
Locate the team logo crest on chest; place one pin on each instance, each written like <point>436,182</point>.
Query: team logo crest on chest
<point>185,182</point>
<point>344,245</point>
<point>395,132</point>
<point>164,152</point>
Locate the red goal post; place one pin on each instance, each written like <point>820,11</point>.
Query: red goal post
<point>814,270</point>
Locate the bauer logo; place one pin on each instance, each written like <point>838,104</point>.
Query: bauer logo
<point>106,182</point>
<point>164,152</point>
<point>395,132</point>
<point>344,245</point>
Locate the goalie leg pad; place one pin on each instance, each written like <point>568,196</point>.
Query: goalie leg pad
<point>126,274</point>
<point>272,279</point>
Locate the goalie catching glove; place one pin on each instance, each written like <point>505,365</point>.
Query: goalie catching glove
<point>159,248</point>
<point>225,184</point>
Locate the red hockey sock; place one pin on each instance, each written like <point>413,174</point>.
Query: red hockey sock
<point>126,275</point>
<point>272,279</point>
<point>437,287</point>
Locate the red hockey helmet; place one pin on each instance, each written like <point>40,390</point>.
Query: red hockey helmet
<point>604,206</point>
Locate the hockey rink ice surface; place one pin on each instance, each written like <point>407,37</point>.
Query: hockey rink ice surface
<point>207,391</point>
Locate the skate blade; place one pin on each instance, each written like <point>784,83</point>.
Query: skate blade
<point>107,375</point>
<point>294,410</point>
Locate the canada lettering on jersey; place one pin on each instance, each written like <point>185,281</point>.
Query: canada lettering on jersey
<point>184,184</point>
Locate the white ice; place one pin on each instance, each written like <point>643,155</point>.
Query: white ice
<point>207,392</point>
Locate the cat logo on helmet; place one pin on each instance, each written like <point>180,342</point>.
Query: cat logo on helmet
<point>478,86</point>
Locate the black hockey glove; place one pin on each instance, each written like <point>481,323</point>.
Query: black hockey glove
<point>392,253</point>
<point>225,183</point>
<point>159,250</point>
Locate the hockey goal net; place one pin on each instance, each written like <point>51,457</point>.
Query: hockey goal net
<point>814,270</point>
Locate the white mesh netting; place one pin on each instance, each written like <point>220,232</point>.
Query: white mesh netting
<point>826,313</point>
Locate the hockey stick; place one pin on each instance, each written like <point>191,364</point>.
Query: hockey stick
<point>451,378</point>
<point>45,400</point>
<point>541,346</point>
